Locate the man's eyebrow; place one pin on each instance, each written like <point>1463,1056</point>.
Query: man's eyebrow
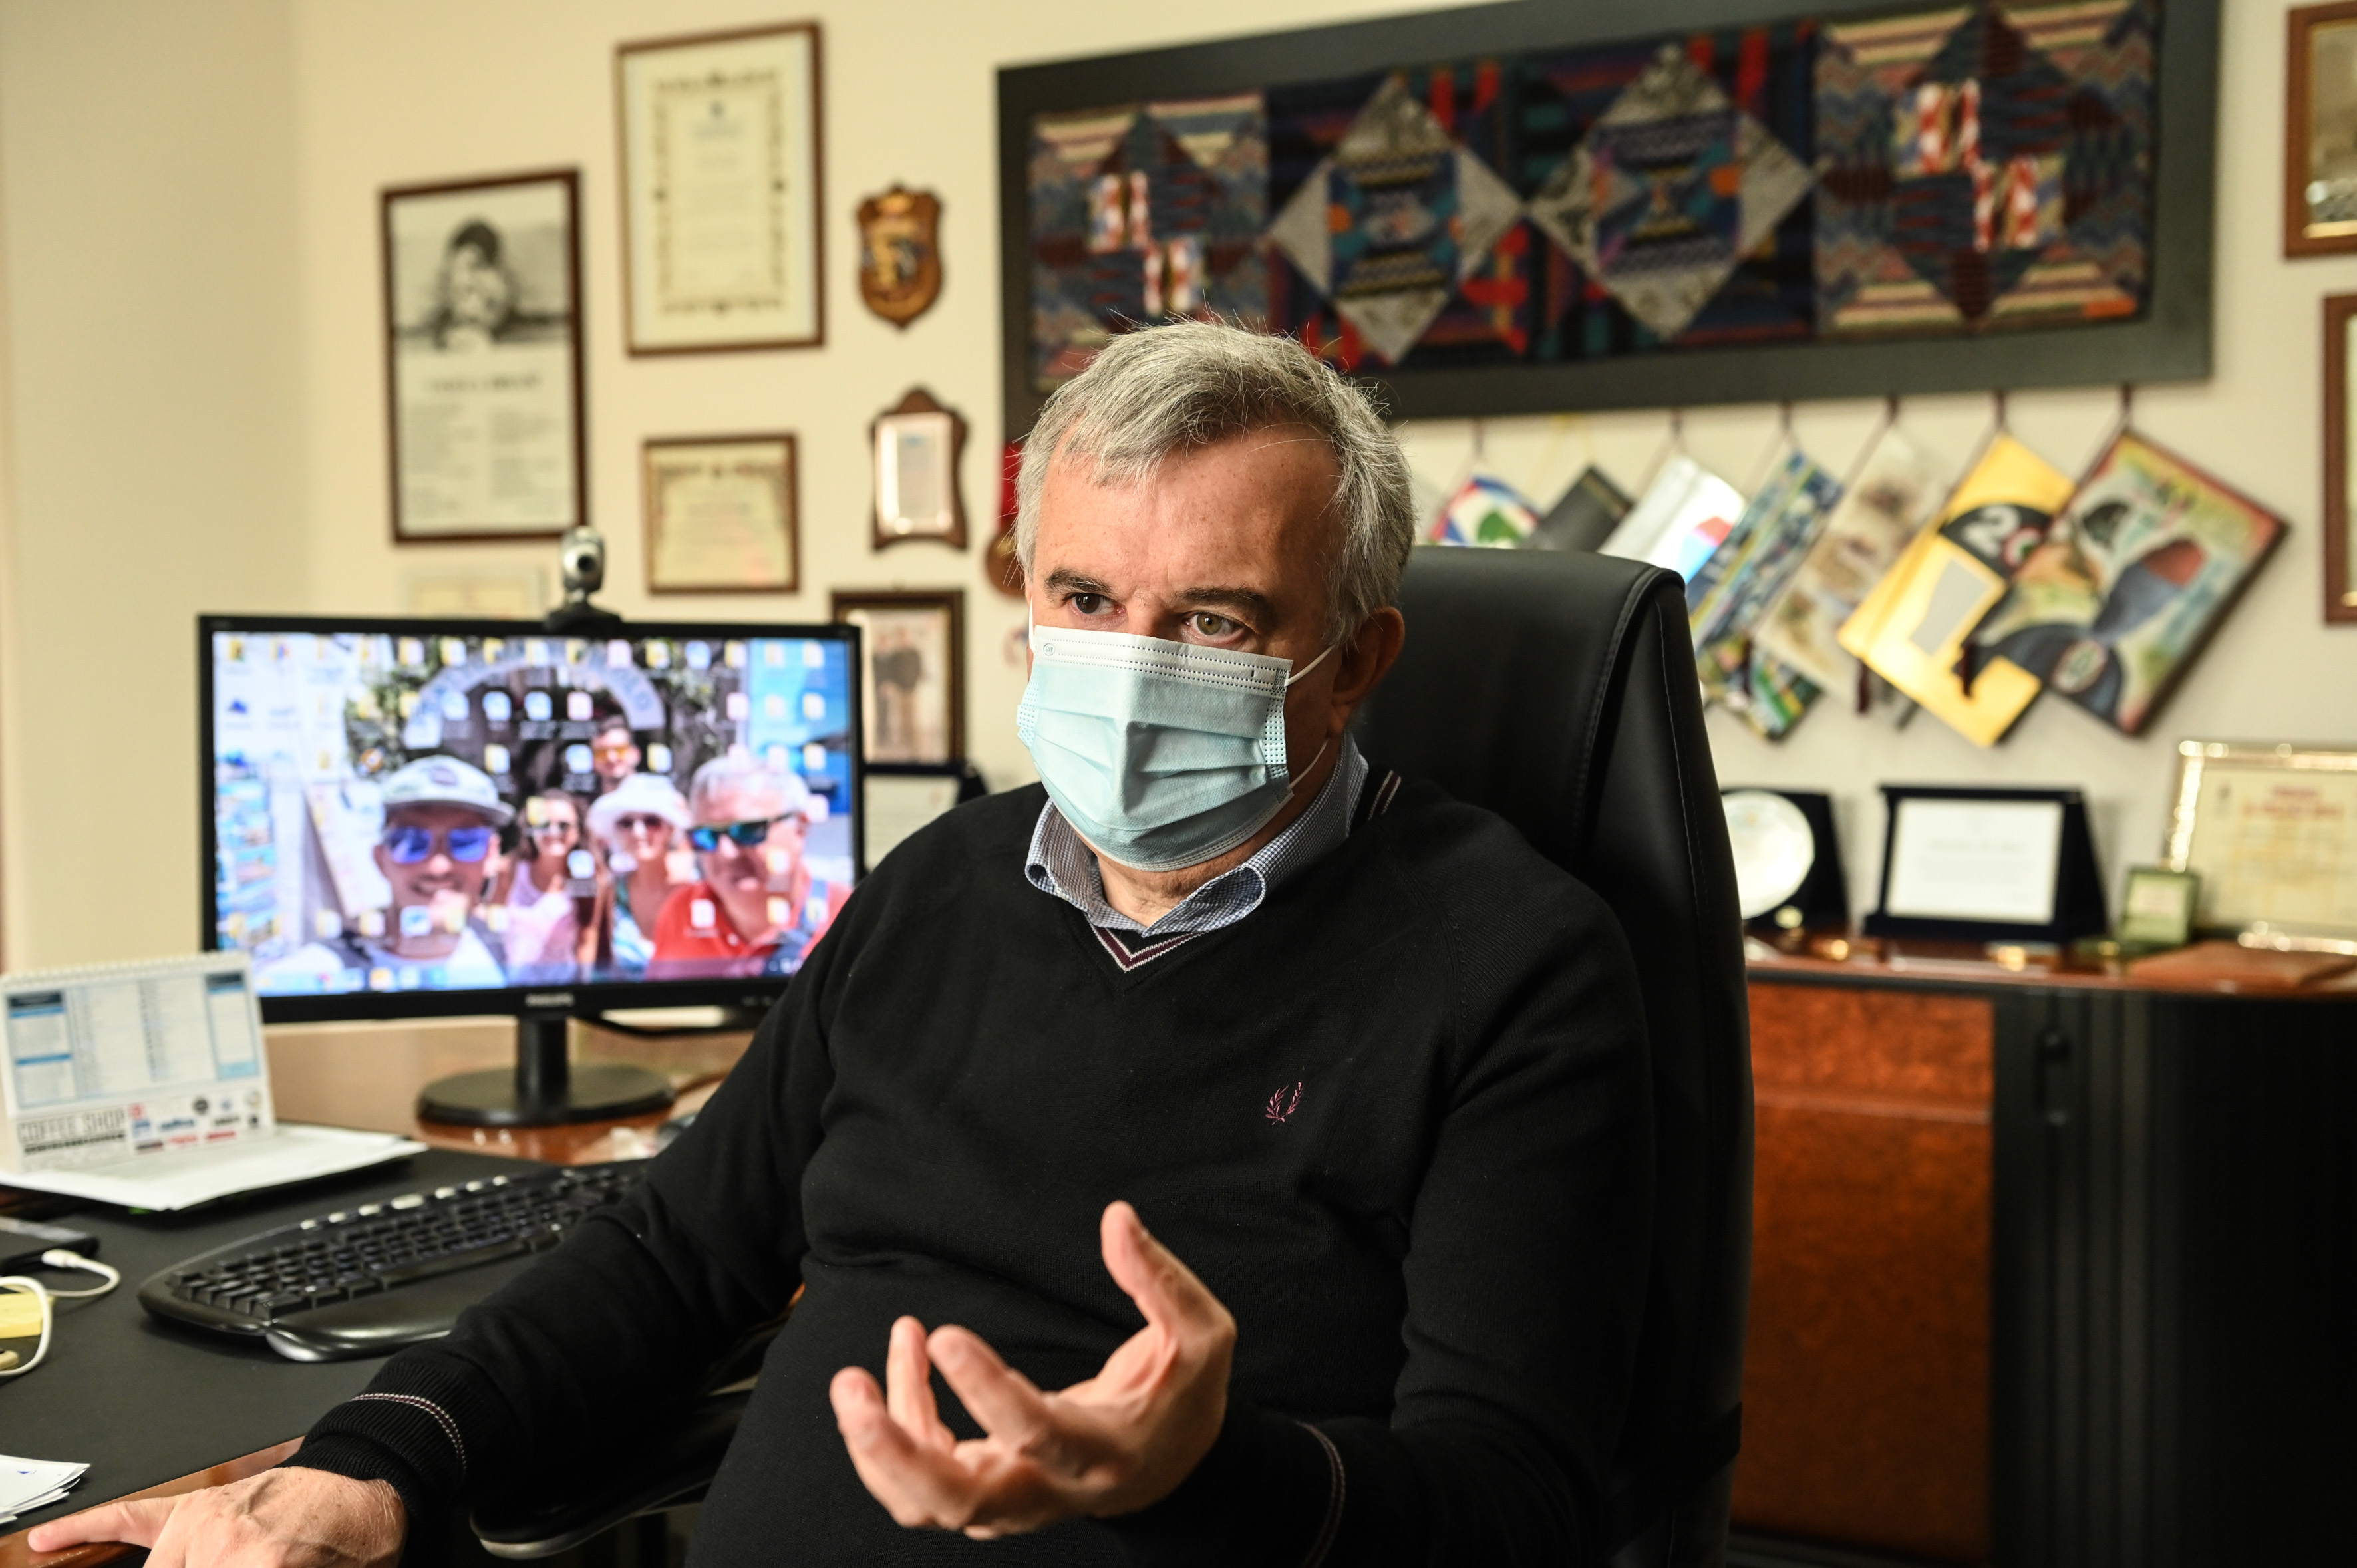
<point>1250,606</point>
<point>1073,583</point>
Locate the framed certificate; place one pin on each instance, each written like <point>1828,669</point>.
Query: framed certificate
<point>1988,865</point>
<point>913,689</point>
<point>482,332</point>
<point>722,246</point>
<point>2272,834</point>
<point>722,515</point>
<point>919,446</point>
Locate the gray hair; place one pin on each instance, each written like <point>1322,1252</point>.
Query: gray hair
<point>1170,389</point>
<point>738,768</point>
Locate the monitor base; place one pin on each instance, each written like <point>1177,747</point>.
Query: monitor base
<point>596,1093</point>
<point>545,1089</point>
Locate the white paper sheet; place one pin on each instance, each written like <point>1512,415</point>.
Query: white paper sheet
<point>29,1484</point>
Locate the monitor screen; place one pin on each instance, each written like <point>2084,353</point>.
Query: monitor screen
<point>413,816</point>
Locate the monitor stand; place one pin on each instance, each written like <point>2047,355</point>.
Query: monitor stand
<point>545,1089</point>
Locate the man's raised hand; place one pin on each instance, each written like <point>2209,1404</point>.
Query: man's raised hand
<point>1115,1443</point>
<point>280,1519</point>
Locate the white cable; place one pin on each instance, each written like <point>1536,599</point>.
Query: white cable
<point>47,1295</point>
<point>58,1258</point>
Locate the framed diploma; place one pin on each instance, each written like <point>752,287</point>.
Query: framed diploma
<point>482,330</point>
<point>913,689</point>
<point>1988,865</point>
<point>722,515</point>
<point>722,246</point>
<point>919,445</point>
<point>2272,834</point>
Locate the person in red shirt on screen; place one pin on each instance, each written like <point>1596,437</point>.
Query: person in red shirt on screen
<point>754,908</point>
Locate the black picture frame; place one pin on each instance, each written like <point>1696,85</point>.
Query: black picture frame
<point>2079,908</point>
<point>394,206</point>
<point>2170,342</point>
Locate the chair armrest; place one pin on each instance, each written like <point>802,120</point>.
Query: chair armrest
<point>671,1464</point>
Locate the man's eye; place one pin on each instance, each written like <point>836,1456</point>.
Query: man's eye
<point>1088,604</point>
<point>1206,624</point>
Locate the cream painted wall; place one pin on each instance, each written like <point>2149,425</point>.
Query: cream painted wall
<point>155,448</point>
<point>909,94</point>
<point>189,337</point>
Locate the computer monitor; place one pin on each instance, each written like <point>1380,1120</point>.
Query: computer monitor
<point>417,817</point>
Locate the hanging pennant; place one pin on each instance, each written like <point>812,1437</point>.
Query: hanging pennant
<point>2119,598</point>
<point>1762,550</point>
<point>1487,512</point>
<point>1891,497</point>
<point>1584,517</point>
<point>1682,518</point>
<point>1913,627</point>
<point>1748,567</point>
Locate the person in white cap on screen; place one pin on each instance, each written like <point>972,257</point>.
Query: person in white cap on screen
<point>442,819</point>
<point>639,822</point>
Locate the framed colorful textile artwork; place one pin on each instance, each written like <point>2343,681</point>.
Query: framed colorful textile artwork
<point>1530,207</point>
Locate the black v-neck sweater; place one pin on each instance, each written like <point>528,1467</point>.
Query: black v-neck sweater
<point>1396,1120</point>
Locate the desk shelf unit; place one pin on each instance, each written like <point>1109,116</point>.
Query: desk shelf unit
<point>2051,1270</point>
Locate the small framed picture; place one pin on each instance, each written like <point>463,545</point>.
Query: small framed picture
<point>2321,131</point>
<point>722,245</point>
<point>721,514</point>
<point>913,688</point>
<point>482,333</point>
<point>919,446</point>
<point>2156,910</point>
<point>2340,481</point>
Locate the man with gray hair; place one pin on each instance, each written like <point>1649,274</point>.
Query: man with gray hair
<point>754,908</point>
<point>1371,1069</point>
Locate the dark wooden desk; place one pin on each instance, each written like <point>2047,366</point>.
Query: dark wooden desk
<point>253,1406</point>
<point>2052,1263</point>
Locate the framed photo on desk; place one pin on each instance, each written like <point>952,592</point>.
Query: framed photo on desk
<point>2272,834</point>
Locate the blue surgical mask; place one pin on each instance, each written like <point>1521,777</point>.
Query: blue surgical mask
<point>1161,754</point>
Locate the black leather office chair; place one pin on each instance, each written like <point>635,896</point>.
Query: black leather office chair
<point>1559,691</point>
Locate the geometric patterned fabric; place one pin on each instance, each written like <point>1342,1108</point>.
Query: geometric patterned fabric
<point>1971,167</point>
<point>1984,167</point>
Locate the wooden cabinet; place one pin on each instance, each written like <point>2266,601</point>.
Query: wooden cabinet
<point>2050,1271</point>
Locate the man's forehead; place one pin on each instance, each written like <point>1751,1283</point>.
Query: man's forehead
<point>1254,510</point>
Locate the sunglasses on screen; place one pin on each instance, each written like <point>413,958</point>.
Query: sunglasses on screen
<point>746,835</point>
<point>412,845</point>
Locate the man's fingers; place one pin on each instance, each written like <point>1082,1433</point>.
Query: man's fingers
<point>139,1523</point>
<point>1165,1289</point>
<point>917,1484</point>
<point>1008,1404</point>
<point>908,1385</point>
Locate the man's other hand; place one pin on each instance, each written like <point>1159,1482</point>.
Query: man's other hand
<point>1122,1440</point>
<point>280,1519</point>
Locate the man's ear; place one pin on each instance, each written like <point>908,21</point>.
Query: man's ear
<point>1367,657</point>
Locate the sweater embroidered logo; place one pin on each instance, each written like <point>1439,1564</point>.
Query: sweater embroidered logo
<point>1283,1103</point>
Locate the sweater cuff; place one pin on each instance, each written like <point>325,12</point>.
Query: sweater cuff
<point>1268,1494</point>
<point>421,1424</point>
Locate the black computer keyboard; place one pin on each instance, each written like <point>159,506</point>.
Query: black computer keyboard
<point>370,1279</point>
